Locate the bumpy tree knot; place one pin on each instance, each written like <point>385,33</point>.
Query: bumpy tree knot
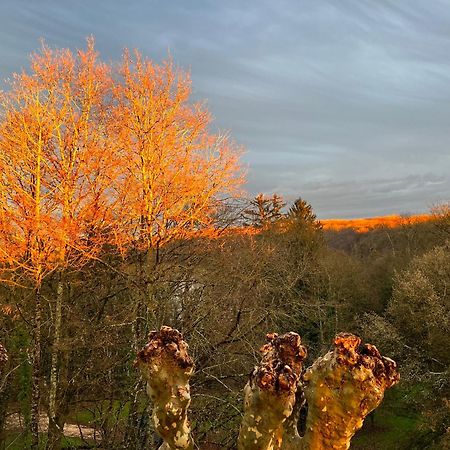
<point>350,352</point>
<point>167,367</point>
<point>281,362</point>
<point>166,343</point>
<point>341,388</point>
<point>270,393</point>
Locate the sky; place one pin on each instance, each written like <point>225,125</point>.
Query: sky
<point>345,103</point>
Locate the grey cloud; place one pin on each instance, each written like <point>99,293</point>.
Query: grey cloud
<point>344,102</point>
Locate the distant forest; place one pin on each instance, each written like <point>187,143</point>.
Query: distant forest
<point>388,285</point>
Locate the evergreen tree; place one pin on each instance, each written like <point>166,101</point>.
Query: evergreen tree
<point>264,210</point>
<point>301,211</point>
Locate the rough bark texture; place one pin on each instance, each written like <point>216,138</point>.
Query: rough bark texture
<point>291,435</point>
<point>167,367</point>
<point>54,357</point>
<point>270,393</point>
<point>341,388</point>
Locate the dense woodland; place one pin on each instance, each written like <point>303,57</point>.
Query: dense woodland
<point>121,212</point>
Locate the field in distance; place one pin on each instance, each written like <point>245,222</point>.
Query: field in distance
<point>363,225</point>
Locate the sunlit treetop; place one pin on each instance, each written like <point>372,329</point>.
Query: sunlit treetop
<point>94,154</point>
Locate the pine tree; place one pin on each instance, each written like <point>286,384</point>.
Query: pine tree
<point>264,210</point>
<point>301,211</point>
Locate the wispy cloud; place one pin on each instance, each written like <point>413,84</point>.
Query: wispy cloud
<point>343,102</point>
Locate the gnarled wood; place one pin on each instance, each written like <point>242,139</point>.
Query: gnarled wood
<point>270,392</point>
<point>341,388</point>
<point>167,367</point>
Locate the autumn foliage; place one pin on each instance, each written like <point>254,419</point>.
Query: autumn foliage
<point>175,168</point>
<point>90,154</point>
<point>56,162</point>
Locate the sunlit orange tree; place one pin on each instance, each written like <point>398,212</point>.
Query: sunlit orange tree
<point>57,169</point>
<point>176,173</point>
<point>94,155</point>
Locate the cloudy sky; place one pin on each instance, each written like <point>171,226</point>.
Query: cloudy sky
<point>345,103</point>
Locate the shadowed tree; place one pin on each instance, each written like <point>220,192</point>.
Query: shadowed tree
<point>264,210</point>
<point>302,211</point>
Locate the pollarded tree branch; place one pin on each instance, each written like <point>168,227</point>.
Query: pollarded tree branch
<point>341,388</point>
<point>291,435</point>
<point>167,367</point>
<point>270,393</point>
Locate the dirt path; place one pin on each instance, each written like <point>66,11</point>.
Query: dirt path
<point>15,422</point>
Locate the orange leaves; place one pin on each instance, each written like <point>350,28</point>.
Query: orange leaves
<point>92,156</point>
<point>53,139</point>
<point>176,168</point>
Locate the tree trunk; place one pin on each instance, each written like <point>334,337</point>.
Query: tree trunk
<point>291,435</point>
<point>270,394</point>
<point>341,389</point>
<point>36,393</point>
<point>55,432</point>
<point>131,432</point>
<point>166,365</point>
<point>4,392</point>
<point>131,439</point>
<point>63,399</point>
<point>138,431</point>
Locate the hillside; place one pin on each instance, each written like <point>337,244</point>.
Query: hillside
<point>362,225</point>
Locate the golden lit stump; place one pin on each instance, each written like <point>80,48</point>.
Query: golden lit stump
<point>270,393</point>
<point>341,388</point>
<point>167,367</point>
